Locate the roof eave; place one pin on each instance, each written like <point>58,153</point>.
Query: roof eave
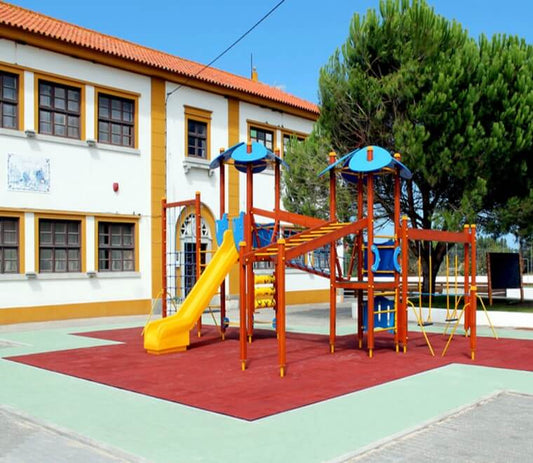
<point>39,40</point>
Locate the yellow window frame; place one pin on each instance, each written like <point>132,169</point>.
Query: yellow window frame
<point>119,94</point>
<point>262,126</point>
<point>61,81</point>
<point>119,220</point>
<point>198,115</point>
<point>83,246</point>
<point>22,242</point>
<point>19,72</point>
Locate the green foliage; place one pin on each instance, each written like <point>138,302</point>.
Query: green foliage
<point>302,193</point>
<point>459,111</point>
<point>506,113</point>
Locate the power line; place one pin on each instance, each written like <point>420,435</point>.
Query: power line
<point>228,48</point>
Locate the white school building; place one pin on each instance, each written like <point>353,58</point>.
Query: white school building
<point>94,132</point>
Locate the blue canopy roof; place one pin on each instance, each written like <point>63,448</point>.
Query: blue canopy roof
<point>259,157</point>
<point>357,162</point>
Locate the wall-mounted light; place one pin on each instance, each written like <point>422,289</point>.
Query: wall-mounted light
<point>115,187</point>
<point>91,142</point>
<point>31,275</point>
<point>30,133</point>
<point>91,274</point>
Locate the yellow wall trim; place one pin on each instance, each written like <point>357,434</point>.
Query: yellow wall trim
<point>16,68</point>
<point>197,112</point>
<point>62,213</point>
<point>232,192</point>
<point>307,296</point>
<point>71,311</point>
<point>158,178</point>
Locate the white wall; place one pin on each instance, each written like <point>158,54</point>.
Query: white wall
<point>182,185</point>
<point>81,177</point>
<point>81,181</point>
<point>282,122</point>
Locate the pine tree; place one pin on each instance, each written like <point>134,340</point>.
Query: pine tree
<point>459,111</point>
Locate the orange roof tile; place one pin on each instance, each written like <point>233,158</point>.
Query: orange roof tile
<point>37,23</point>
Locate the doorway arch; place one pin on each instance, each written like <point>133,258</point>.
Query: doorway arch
<point>185,234</point>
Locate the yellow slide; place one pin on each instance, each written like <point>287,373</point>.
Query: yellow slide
<point>171,334</point>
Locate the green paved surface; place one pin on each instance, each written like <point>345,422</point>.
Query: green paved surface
<point>162,431</point>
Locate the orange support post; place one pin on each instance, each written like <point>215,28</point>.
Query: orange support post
<point>250,296</point>
<point>405,281</point>
<point>332,258</point>
<point>248,223</point>
<point>164,256</point>
<point>466,282</point>
<point>397,218</point>
<point>222,206</point>
<point>198,215</point>
<point>280,317</point>
<point>242,303</point>
<point>473,293</point>
<point>370,263</point>
<point>360,213</point>
<point>277,196</point>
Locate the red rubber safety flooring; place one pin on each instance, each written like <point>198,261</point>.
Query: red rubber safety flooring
<point>208,375</point>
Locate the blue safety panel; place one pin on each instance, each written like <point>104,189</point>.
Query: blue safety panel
<point>381,320</point>
<point>221,226</point>
<point>238,229</point>
<point>395,259</point>
<point>377,258</point>
<point>386,259</point>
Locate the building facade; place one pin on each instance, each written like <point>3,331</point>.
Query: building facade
<point>94,132</point>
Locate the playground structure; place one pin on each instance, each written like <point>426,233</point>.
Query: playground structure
<point>376,272</point>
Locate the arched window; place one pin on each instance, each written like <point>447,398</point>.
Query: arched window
<point>188,249</point>
<point>188,228</point>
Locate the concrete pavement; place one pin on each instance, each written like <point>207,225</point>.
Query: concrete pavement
<point>59,418</point>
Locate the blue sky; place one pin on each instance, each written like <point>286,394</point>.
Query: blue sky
<point>288,48</point>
